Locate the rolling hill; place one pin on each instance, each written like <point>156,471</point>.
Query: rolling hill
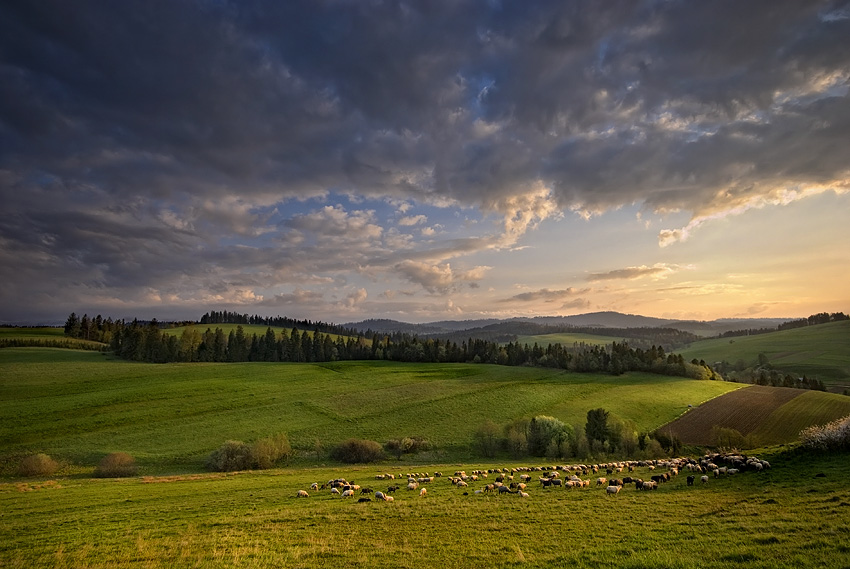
<point>80,405</point>
<point>819,352</point>
<point>768,415</point>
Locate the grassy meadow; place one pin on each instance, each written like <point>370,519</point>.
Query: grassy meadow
<point>39,332</point>
<point>821,351</point>
<point>567,339</point>
<point>793,515</point>
<point>79,406</point>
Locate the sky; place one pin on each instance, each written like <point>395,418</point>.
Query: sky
<point>340,160</point>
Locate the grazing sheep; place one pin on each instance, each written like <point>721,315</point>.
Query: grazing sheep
<point>523,494</point>
<point>389,499</point>
<point>704,479</point>
<point>302,494</point>
<point>334,490</point>
<point>314,486</point>
<point>601,481</point>
<point>423,491</point>
<point>347,493</point>
<point>364,499</point>
<point>380,495</point>
<point>612,490</point>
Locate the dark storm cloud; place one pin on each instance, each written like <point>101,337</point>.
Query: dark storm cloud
<point>140,131</point>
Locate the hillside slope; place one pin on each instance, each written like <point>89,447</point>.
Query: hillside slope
<point>80,406</point>
<point>769,415</point>
<point>819,352</point>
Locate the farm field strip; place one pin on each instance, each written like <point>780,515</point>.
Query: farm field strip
<point>743,410</point>
<point>812,407</point>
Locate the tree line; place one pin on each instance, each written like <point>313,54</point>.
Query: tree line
<point>149,342</point>
<point>603,434</point>
<point>814,319</point>
<point>227,317</point>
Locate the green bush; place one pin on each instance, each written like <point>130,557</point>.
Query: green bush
<point>357,450</point>
<point>37,465</point>
<point>268,452</point>
<point>116,465</point>
<point>232,455</point>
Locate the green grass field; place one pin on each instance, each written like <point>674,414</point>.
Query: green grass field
<point>248,329</point>
<point>821,351</point>
<point>79,406</point>
<point>567,339</point>
<point>810,408</point>
<point>44,332</point>
<point>783,517</point>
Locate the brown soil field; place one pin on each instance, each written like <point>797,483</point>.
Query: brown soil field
<point>743,410</point>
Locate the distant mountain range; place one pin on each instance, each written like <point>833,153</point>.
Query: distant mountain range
<point>590,320</point>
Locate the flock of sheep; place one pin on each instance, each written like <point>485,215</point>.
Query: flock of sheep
<point>518,480</point>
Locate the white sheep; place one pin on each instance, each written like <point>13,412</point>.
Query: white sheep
<point>302,494</point>
<point>601,481</point>
<point>347,493</point>
<point>612,490</point>
<point>423,491</point>
<point>704,479</point>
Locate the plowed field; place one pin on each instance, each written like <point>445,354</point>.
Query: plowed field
<point>743,410</point>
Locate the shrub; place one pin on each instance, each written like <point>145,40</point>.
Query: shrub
<point>37,465</point>
<point>357,450</point>
<point>232,455</point>
<point>267,452</point>
<point>487,437</point>
<point>407,445</point>
<point>832,436</point>
<point>542,432</point>
<point>116,465</point>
